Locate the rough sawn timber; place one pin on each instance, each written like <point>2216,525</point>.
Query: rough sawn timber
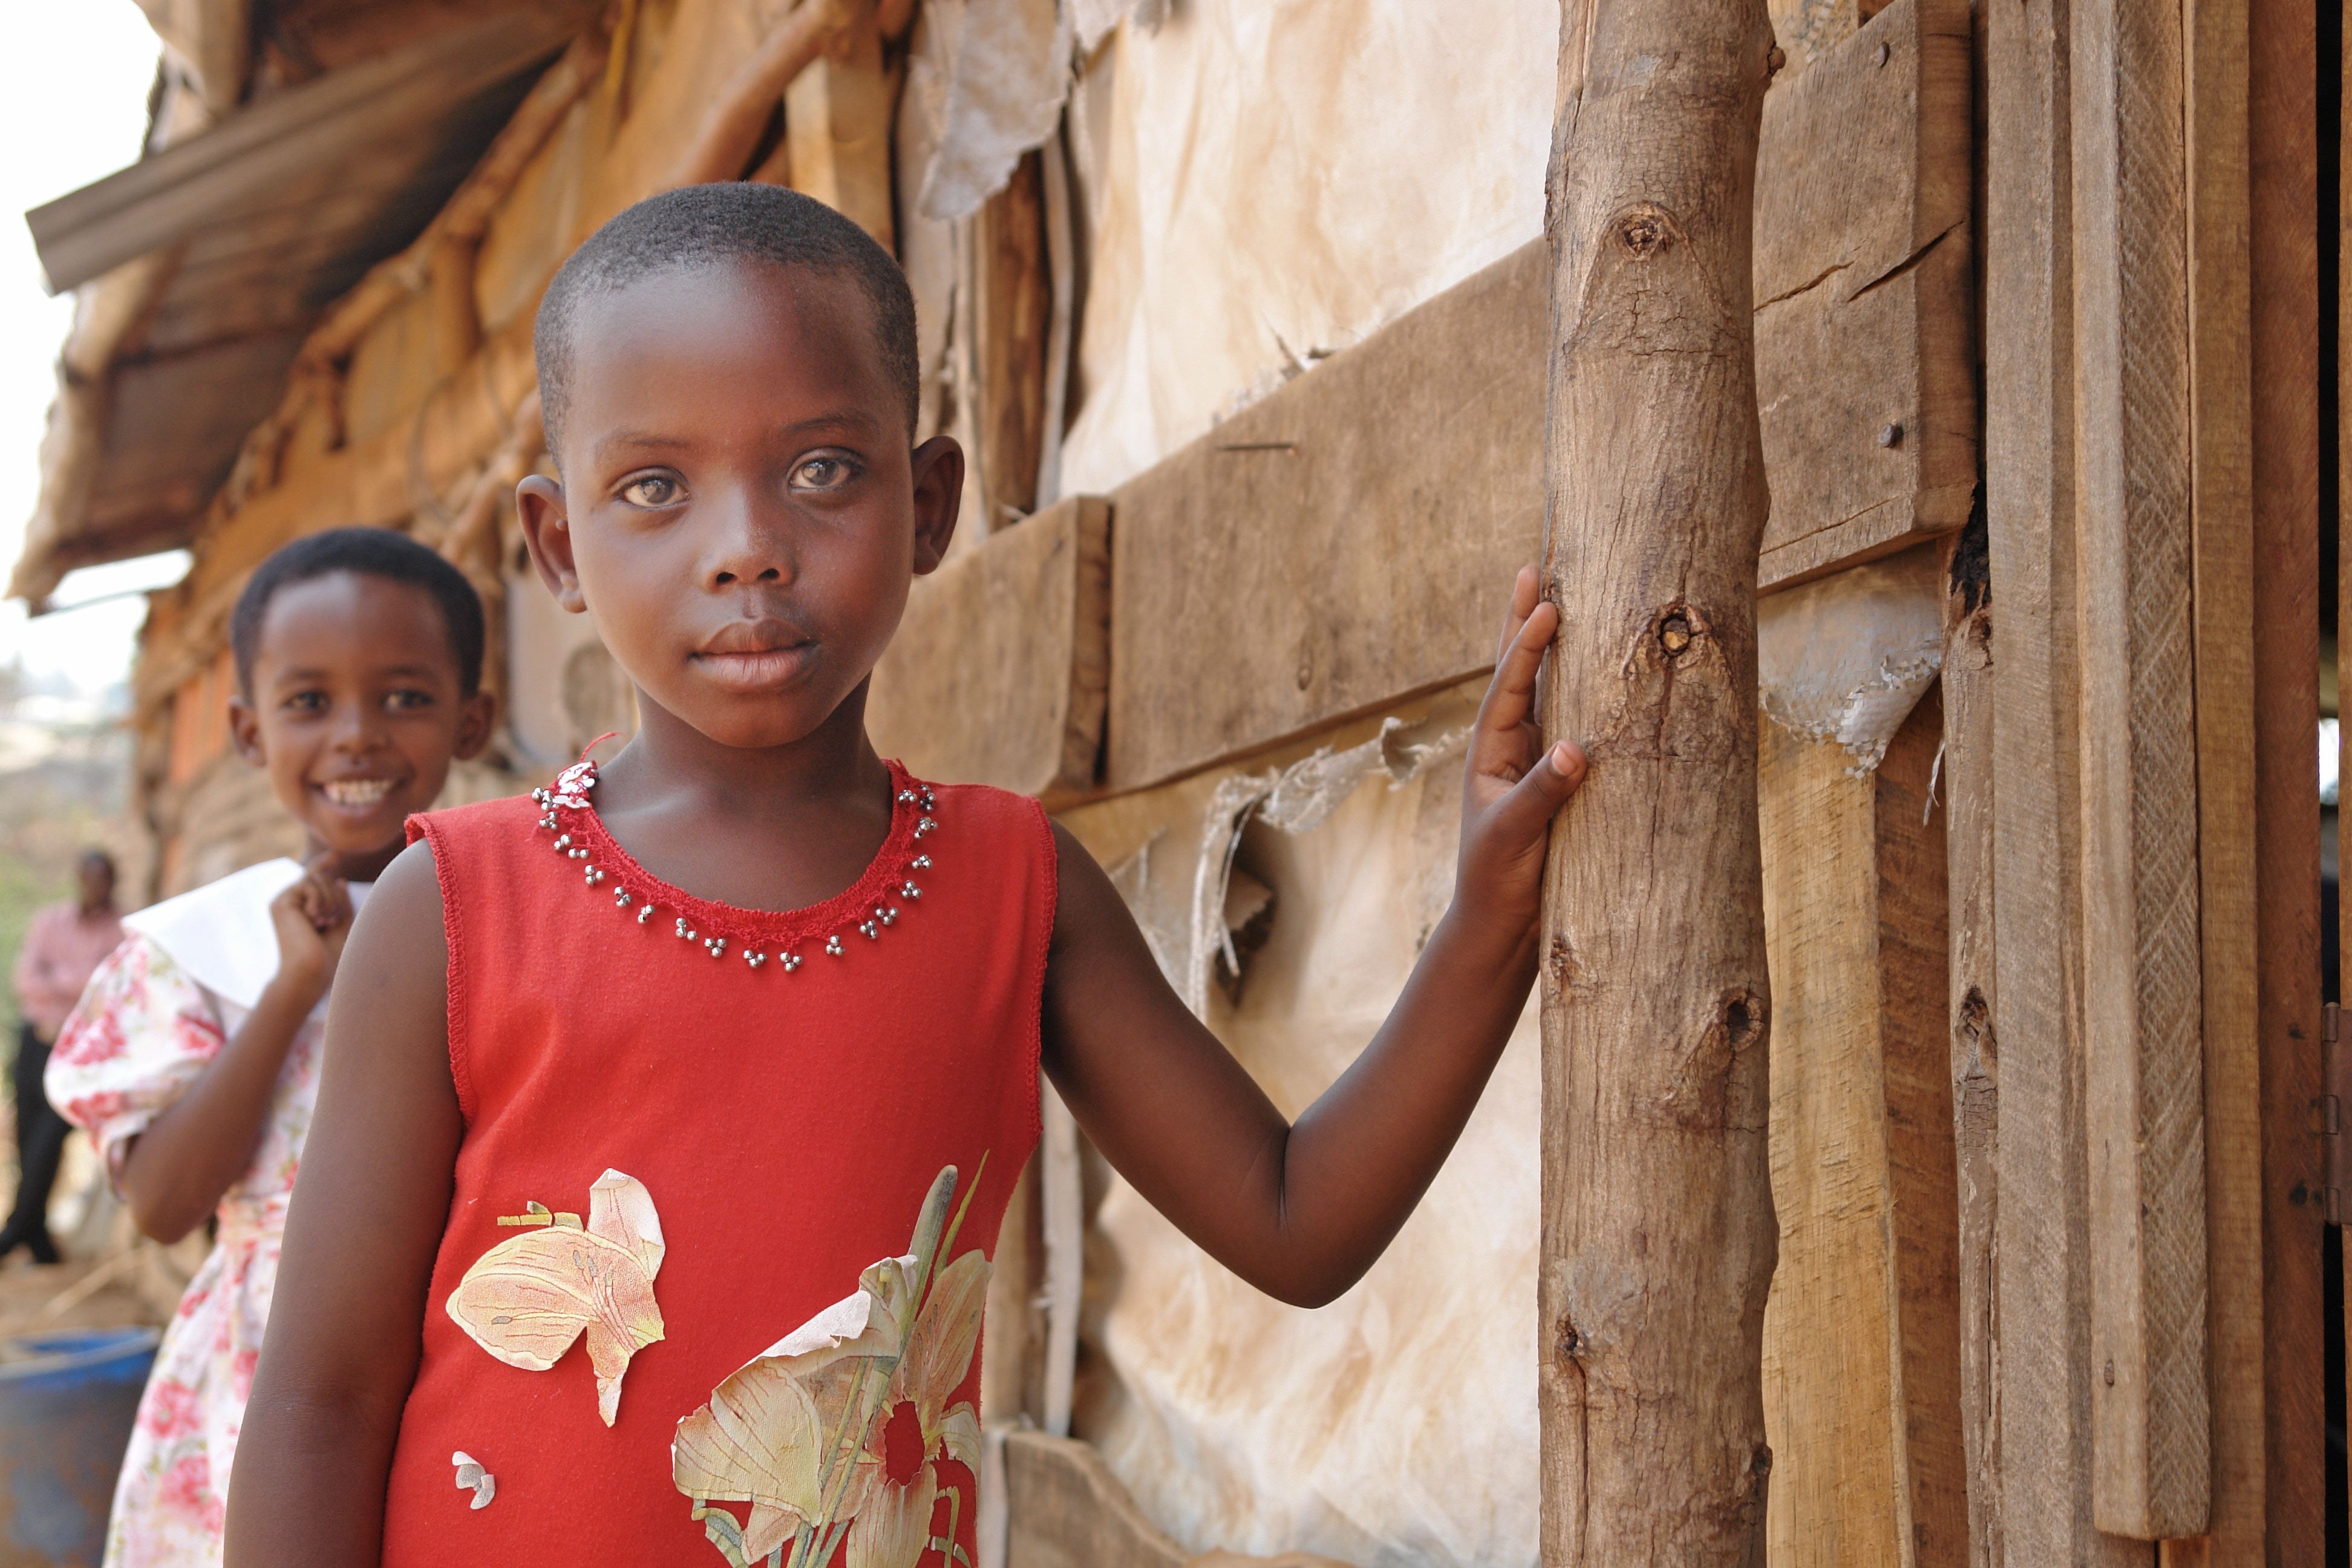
<point>997,673</point>
<point>1657,1233</point>
<point>1862,1360</point>
<point>1069,1510</point>
<point>2151,1433</point>
<point>2042,1242</point>
<point>1862,367</point>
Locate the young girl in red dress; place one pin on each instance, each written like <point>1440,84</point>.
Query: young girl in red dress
<point>672,1111</point>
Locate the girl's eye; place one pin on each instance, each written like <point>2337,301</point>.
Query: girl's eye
<point>654,490</point>
<point>406,699</point>
<point>822,472</point>
<point>307,701</point>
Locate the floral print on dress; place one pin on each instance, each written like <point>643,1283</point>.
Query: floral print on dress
<point>527,1299</point>
<point>839,1429</point>
<point>143,1033</point>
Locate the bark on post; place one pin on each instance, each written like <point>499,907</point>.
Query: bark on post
<point>1658,1231</point>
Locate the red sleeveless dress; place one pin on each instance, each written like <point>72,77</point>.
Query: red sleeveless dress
<point>711,1283</point>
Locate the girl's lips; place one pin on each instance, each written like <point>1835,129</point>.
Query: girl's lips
<point>356,794</point>
<point>758,670</point>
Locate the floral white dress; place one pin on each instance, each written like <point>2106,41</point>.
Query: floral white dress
<point>154,1016</point>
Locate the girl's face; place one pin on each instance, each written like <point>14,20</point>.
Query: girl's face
<point>356,710</point>
<point>738,510</point>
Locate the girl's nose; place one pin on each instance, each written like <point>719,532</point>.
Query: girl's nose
<point>754,545</point>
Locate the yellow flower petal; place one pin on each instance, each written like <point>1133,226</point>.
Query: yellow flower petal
<point>527,1299</point>
<point>893,1528</point>
<point>757,1441</point>
<point>621,1211</point>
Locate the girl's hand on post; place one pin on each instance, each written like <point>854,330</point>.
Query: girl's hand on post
<point>311,919</point>
<point>1515,784</point>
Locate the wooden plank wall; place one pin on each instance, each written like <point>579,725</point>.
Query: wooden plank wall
<point>1862,1331</point>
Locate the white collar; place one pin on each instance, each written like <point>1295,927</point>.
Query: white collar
<point>220,933</point>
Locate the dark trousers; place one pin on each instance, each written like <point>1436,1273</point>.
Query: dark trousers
<point>40,1144</point>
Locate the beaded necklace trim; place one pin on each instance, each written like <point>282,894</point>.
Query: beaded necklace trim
<point>635,889</point>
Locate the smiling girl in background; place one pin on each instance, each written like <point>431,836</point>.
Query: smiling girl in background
<point>193,1055</point>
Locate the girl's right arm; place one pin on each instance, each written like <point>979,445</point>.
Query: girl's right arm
<point>369,1208</point>
<point>176,1171</point>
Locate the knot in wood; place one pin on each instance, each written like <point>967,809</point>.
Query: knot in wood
<point>1774,61</point>
<point>1643,233</point>
<point>1569,1343</point>
<point>1675,633</point>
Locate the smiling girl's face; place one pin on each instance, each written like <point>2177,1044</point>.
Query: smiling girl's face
<point>356,710</point>
<point>738,510</point>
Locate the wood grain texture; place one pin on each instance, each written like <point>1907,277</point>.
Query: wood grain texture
<point>1862,277</point>
<point>1399,478</point>
<point>2042,1228</point>
<point>1657,1234</point>
<point>2221,521</point>
<point>997,670</point>
<point>837,115</point>
<point>2150,1410</point>
<point>1861,1334</point>
<point>2283,265</point>
<point>1012,295</point>
<point>1972,993</point>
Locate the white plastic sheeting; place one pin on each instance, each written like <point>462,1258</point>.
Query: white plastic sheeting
<point>1847,658</point>
<point>1269,181</point>
<point>1396,1426</point>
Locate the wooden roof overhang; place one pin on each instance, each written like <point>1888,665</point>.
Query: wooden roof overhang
<point>209,260</point>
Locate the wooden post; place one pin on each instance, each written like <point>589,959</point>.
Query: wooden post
<point>1658,1232</point>
<point>2042,1292</point>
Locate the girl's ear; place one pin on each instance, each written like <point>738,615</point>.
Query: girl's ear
<point>475,718</point>
<point>938,496</point>
<point>547,533</point>
<point>245,730</point>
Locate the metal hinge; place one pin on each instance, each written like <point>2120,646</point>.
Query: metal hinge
<point>2334,1103</point>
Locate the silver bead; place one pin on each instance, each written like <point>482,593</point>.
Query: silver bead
<point>716,945</point>
<point>792,962</point>
<point>923,825</point>
<point>921,863</point>
<point>683,929</point>
<point>754,958</point>
<point>908,891</point>
<point>594,876</point>
<point>907,796</point>
<point>548,822</point>
<point>870,929</point>
<point>620,897</point>
<point>889,916</point>
<point>832,944</point>
<point>645,914</point>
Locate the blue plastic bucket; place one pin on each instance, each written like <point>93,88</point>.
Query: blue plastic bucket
<point>67,1404</point>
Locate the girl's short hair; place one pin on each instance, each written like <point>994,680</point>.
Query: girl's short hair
<point>366,552</point>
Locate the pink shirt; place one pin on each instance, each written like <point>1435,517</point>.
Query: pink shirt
<point>62,950</point>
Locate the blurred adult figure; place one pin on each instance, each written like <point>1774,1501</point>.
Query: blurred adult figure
<point>64,946</point>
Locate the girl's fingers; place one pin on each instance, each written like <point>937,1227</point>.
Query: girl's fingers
<point>1526,810</point>
<point>1510,695</point>
<point>1523,603</point>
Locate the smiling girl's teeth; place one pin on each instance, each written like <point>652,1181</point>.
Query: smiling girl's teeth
<point>356,792</point>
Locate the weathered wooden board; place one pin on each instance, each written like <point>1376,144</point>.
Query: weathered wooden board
<point>2283,265</point>
<point>1396,485</point>
<point>2151,1415</point>
<point>838,117</point>
<point>1345,542</point>
<point>1861,1334</point>
<point>1969,784</point>
<point>997,673</point>
<point>2223,526</point>
<point>1863,357</point>
<point>2041,1226</point>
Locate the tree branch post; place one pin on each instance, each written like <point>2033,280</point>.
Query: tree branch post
<point>1658,1230</point>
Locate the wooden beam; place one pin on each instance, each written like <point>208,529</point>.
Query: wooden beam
<point>998,672</point>
<point>1657,1233</point>
<point>1972,993</point>
<point>1070,1512</point>
<point>2151,1431</point>
<point>2222,533</point>
<point>2041,1226</point>
<point>837,115</point>
<point>2284,287</point>
<point>1012,303</point>
<point>1863,356</point>
<point>1861,1353</point>
<point>217,178</point>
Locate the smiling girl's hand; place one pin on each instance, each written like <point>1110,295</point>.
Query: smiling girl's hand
<point>1514,785</point>
<point>311,917</point>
